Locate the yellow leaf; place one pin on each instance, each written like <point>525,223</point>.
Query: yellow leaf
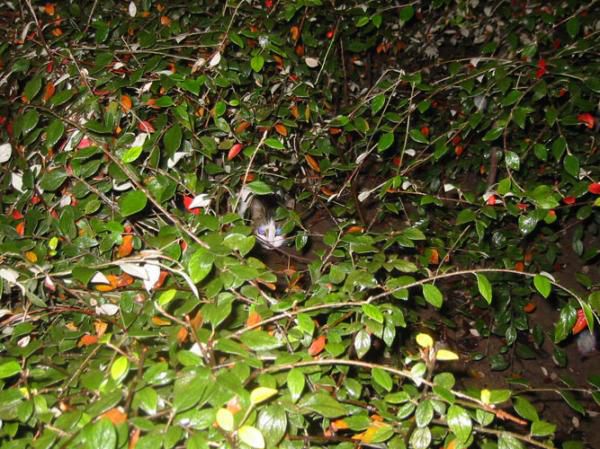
<point>485,396</point>
<point>225,419</point>
<point>445,354</point>
<point>424,340</point>
<point>261,394</point>
<point>252,437</point>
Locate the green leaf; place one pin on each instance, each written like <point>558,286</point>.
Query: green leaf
<point>382,378</point>
<point>295,383</point>
<point>272,422</point>
<point>257,62</point>
<point>465,216</point>
<point>571,164</point>
<point>542,429</point>
<point>433,295</point>
<point>119,368</point>
<point>172,138</point>
<point>506,441</point>
<point>9,369</point>
<point>420,438</point>
<point>323,404</point>
<point>54,132</point>
<point>258,340</point>
<point>459,423</point>
<point>32,88</point>
<point>260,188</point>
<point>29,121</point>
<point>102,435</point>
<point>200,265</point>
<point>527,223</point>
<point>512,160</point>
<point>417,136</point>
<point>52,180</point>
<point>274,143</point>
<point>542,285</point>
<point>252,437</point>
<point>406,13</point>
<point>240,242</point>
<point>424,413</point>
<point>485,288</point>
<point>493,134</point>
<point>525,409</point>
<point>377,103</point>
<point>373,312</point>
<point>572,402</point>
<point>573,27</point>
<point>385,141</point>
<point>362,343</point>
<point>132,202</point>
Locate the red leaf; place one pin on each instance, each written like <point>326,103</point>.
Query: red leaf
<point>187,201</point>
<point>16,214</point>
<point>146,127</point>
<point>581,322</point>
<point>234,151</point>
<point>594,188</point>
<point>569,200</point>
<point>491,200</point>
<point>541,69</point>
<point>84,143</point>
<point>587,119</point>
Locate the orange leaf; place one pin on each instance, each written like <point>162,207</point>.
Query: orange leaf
<point>355,229</point>
<point>134,436</point>
<point>300,50</point>
<point>243,126</point>
<point>452,444</point>
<point>31,256</point>
<point>48,91</point>
<point>165,21</point>
<point>434,257</point>
<point>294,111</point>
<point>459,149</point>
<point>124,280</point>
<point>327,191</point>
<point>126,103</point>
<point>182,334</point>
<point>100,327</point>
<point>115,416</point>
<point>87,340</point>
<point>248,178</point>
<point>520,266</point>
<point>335,131</point>
<point>281,129</point>
<point>50,9</point>
<point>158,321</point>
<point>581,322</point>
<point>197,321</point>
<point>126,248</point>
<point>20,228</point>
<point>56,32</point>
<point>339,424</point>
<point>253,319</point>
<point>529,307</point>
<point>234,151</point>
<point>161,279</point>
<point>294,33</point>
<point>312,163</point>
<point>317,345</point>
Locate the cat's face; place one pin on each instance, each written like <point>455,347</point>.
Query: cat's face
<point>267,230</point>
